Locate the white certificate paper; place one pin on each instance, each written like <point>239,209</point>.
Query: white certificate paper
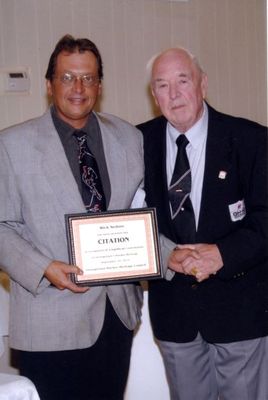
<point>114,247</point>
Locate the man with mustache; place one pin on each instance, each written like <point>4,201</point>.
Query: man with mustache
<point>74,343</point>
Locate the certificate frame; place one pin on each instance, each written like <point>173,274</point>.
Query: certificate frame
<point>123,246</point>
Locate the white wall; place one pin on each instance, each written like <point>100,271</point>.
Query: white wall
<point>147,379</point>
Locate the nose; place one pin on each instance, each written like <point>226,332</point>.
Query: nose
<point>174,90</point>
<point>78,84</point>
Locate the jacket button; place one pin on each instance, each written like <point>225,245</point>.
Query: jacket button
<point>194,286</point>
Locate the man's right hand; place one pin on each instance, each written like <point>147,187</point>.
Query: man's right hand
<point>58,273</point>
<point>179,254</point>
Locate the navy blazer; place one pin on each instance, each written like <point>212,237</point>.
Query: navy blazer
<point>233,304</point>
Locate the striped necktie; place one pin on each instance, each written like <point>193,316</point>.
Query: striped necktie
<point>181,208</point>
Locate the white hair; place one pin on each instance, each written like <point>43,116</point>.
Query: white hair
<point>150,63</point>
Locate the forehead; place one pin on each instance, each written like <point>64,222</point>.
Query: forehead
<point>173,62</point>
<point>86,61</point>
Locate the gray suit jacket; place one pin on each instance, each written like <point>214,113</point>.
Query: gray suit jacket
<point>37,189</point>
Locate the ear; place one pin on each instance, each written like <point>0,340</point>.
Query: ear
<point>99,89</point>
<point>204,84</point>
<point>49,88</point>
<point>154,96</point>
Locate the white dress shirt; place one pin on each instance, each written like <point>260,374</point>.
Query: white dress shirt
<point>196,149</point>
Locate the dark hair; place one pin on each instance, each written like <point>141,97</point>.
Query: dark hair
<point>71,45</point>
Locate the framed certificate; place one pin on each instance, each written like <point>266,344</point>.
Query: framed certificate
<point>114,246</point>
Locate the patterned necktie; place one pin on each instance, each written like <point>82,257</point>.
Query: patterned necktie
<point>181,207</point>
<point>92,191</point>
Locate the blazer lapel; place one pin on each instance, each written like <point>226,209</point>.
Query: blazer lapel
<point>115,155</point>
<point>218,163</point>
<point>57,170</point>
<point>156,174</point>
<point>160,163</point>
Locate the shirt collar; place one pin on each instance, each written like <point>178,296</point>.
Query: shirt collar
<point>65,130</point>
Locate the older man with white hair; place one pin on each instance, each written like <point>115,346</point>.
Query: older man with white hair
<point>206,174</point>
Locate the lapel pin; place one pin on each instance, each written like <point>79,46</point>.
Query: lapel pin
<point>222,174</point>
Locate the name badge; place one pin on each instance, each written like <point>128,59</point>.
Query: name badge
<point>237,210</point>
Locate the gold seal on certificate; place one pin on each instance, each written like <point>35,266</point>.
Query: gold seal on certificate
<point>114,246</point>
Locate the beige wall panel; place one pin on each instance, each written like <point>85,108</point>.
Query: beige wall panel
<point>218,65</point>
<point>259,104</point>
<point>80,16</point>
<point>205,43</point>
<point>28,54</point>
<point>148,48</point>
<point>237,53</point>
<point>228,36</point>
<point>118,43</point>
<point>180,25</point>
<point>61,18</point>
<point>11,106</point>
<point>44,47</point>
<point>135,72</point>
<point>102,33</point>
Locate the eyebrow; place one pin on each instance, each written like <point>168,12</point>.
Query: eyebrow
<point>180,75</point>
<point>159,79</point>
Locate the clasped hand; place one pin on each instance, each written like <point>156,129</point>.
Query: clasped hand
<point>199,260</point>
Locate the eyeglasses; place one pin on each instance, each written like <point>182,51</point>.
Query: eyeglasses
<point>87,80</point>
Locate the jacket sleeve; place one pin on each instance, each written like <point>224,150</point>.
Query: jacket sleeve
<point>18,256</point>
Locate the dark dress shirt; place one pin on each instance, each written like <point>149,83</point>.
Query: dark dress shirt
<point>94,142</point>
